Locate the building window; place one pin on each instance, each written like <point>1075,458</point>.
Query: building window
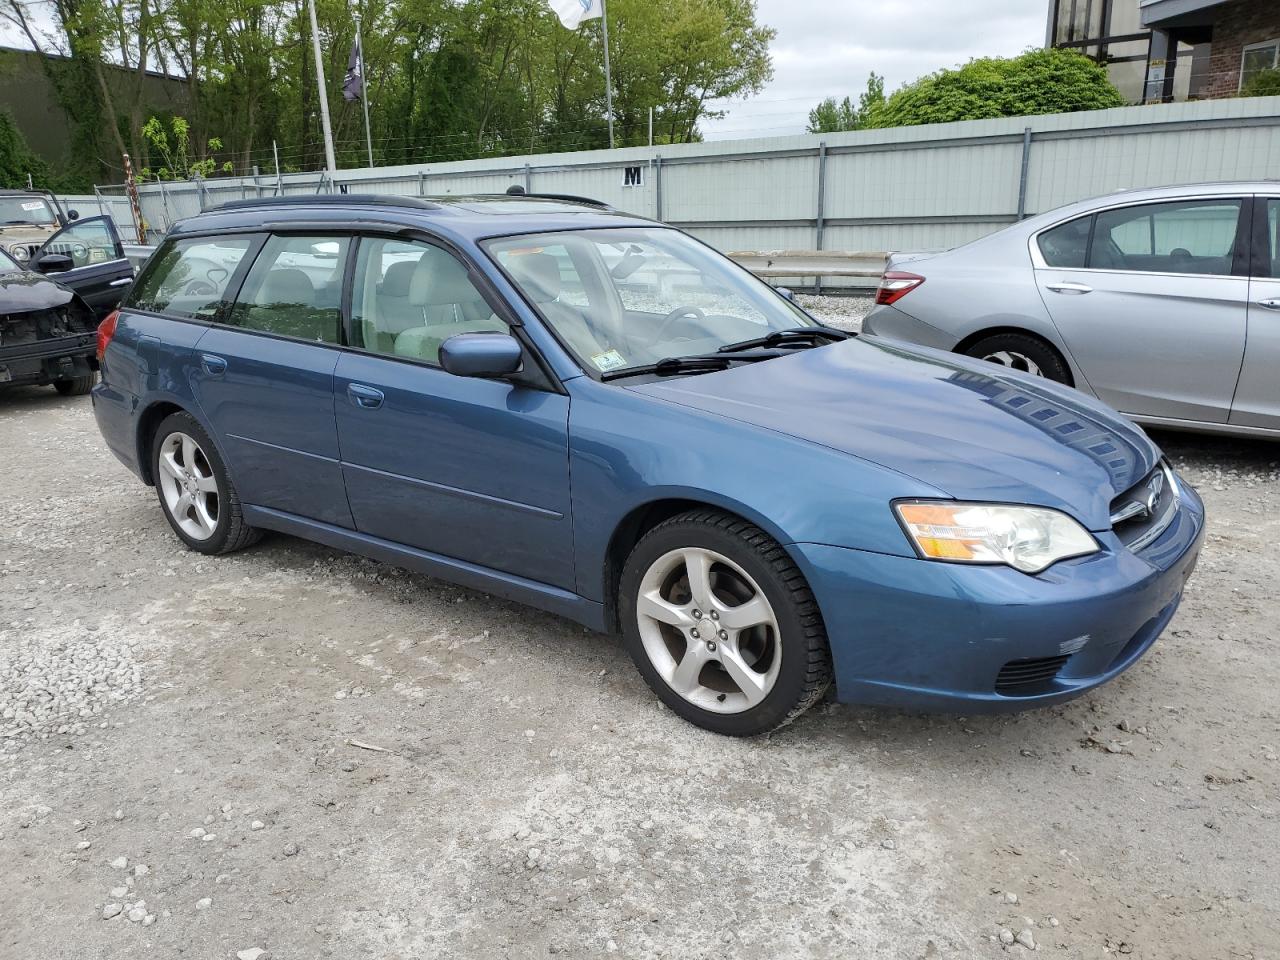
<point>1258,57</point>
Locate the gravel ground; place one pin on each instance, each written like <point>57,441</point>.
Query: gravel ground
<point>297,751</point>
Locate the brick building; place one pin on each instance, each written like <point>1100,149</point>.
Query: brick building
<point>1161,50</point>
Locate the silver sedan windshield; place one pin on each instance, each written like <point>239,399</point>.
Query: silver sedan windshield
<point>622,298</point>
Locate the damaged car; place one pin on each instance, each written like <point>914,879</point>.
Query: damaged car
<point>50,308</point>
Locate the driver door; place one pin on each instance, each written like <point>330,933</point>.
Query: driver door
<point>99,271</point>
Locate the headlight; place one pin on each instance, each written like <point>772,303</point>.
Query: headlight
<point>20,252</point>
<point>1026,538</point>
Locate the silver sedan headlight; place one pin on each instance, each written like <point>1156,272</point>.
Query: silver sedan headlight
<point>1025,538</point>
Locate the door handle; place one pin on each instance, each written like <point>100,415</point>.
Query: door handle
<point>1273,304</point>
<point>213,366</point>
<point>365,397</point>
<point>121,282</point>
<point>1069,286</point>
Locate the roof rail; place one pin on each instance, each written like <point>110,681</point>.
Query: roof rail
<point>566,197</point>
<point>326,199</point>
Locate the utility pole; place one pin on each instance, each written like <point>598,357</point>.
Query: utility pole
<point>275,155</point>
<point>608,78</point>
<point>331,164</point>
<point>651,126</point>
<point>364,90</point>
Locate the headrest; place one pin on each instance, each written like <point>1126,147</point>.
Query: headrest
<point>538,275</point>
<point>287,286</point>
<point>396,281</point>
<point>440,279</point>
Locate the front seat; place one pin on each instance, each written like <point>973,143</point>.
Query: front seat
<point>446,303</point>
<point>538,275</point>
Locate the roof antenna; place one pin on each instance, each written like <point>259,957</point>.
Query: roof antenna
<point>515,190</point>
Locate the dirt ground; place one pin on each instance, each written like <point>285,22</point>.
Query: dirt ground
<point>186,747</point>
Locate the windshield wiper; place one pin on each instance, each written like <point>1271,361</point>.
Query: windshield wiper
<point>810,335</point>
<point>670,366</point>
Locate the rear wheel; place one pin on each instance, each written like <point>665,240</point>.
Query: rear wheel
<point>196,494</point>
<point>76,386</point>
<point>722,625</point>
<point>1022,352</point>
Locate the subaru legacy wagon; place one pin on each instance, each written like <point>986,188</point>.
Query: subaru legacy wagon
<point>593,413</point>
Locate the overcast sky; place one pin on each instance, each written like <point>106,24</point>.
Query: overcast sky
<point>829,47</point>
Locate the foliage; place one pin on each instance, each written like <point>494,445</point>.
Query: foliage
<point>1265,83</point>
<point>178,164</point>
<point>445,79</point>
<point>1038,81</point>
<point>832,116</point>
<point>16,159</point>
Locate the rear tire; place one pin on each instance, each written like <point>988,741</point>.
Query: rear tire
<point>722,624</point>
<point>76,386</point>
<point>196,493</point>
<point>1024,352</point>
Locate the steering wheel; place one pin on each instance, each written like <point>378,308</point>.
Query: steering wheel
<point>199,288</point>
<point>678,313</point>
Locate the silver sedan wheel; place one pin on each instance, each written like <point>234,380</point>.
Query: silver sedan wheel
<point>1016,361</point>
<point>709,630</point>
<point>189,487</point>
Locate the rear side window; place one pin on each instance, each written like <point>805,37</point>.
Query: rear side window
<point>294,289</point>
<point>1188,236</point>
<point>1272,249</point>
<point>188,278</point>
<point>1066,245</point>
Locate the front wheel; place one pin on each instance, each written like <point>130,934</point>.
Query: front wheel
<point>1022,352</point>
<point>196,493</point>
<point>722,625</point>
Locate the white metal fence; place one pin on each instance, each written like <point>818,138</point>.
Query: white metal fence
<point>909,188</point>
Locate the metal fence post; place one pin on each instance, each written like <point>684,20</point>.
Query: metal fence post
<point>820,223</point>
<point>422,183</point>
<point>164,202</point>
<point>97,194</point>
<point>200,189</point>
<point>528,178</point>
<point>1022,177</point>
<point>657,187</point>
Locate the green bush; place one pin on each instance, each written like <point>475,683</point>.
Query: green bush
<point>16,158</point>
<point>1263,84</point>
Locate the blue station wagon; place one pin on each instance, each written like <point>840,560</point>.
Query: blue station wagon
<point>593,413</point>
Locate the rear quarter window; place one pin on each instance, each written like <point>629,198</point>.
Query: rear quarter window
<point>1066,245</point>
<point>189,278</point>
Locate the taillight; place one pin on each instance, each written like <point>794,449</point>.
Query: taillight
<point>106,330</point>
<point>896,284</point>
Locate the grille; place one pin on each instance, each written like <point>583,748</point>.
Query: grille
<point>1145,510</point>
<point>1023,677</point>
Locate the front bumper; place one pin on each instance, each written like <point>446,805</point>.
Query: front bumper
<point>925,635</point>
<point>49,359</point>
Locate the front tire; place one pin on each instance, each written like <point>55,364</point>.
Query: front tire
<point>722,625</point>
<point>196,493</point>
<point>1022,352</point>
<point>76,386</point>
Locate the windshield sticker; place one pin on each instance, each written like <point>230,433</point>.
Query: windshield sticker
<point>33,205</point>
<point>609,360</point>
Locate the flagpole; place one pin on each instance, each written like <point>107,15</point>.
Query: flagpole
<point>608,79</point>
<point>364,90</point>
<point>331,164</point>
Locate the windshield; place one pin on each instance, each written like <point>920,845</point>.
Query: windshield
<point>14,210</point>
<point>9,265</point>
<point>631,297</point>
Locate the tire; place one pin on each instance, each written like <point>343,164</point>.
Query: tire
<point>1025,352</point>
<point>76,386</point>
<point>212,521</point>
<point>783,654</point>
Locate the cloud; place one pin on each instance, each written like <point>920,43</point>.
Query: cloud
<point>829,49</point>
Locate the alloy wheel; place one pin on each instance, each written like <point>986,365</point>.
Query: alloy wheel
<point>1016,361</point>
<point>709,630</point>
<point>189,486</point>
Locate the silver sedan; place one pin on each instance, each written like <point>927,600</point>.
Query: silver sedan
<point>1163,303</point>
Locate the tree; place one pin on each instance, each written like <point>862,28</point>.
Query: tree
<point>179,164</point>
<point>831,116</point>
<point>1038,81</point>
<point>17,162</point>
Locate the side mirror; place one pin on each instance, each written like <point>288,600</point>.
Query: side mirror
<point>786,293</point>
<point>73,214</point>
<point>485,355</point>
<point>54,263</point>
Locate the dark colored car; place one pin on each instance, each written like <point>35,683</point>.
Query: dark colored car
<point>596,414</point>
<point>50,309</point>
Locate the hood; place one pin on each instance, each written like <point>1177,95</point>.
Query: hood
<point>23,292</point>
<point>972,433</point>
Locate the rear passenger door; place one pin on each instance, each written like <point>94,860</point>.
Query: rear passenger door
<point>1150,300</point>
<point>263,375</point>
<point>475,470</point>
<point>1257,402</point>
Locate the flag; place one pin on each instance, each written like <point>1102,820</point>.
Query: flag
<point>573,12</point>
<point>353,84</point>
